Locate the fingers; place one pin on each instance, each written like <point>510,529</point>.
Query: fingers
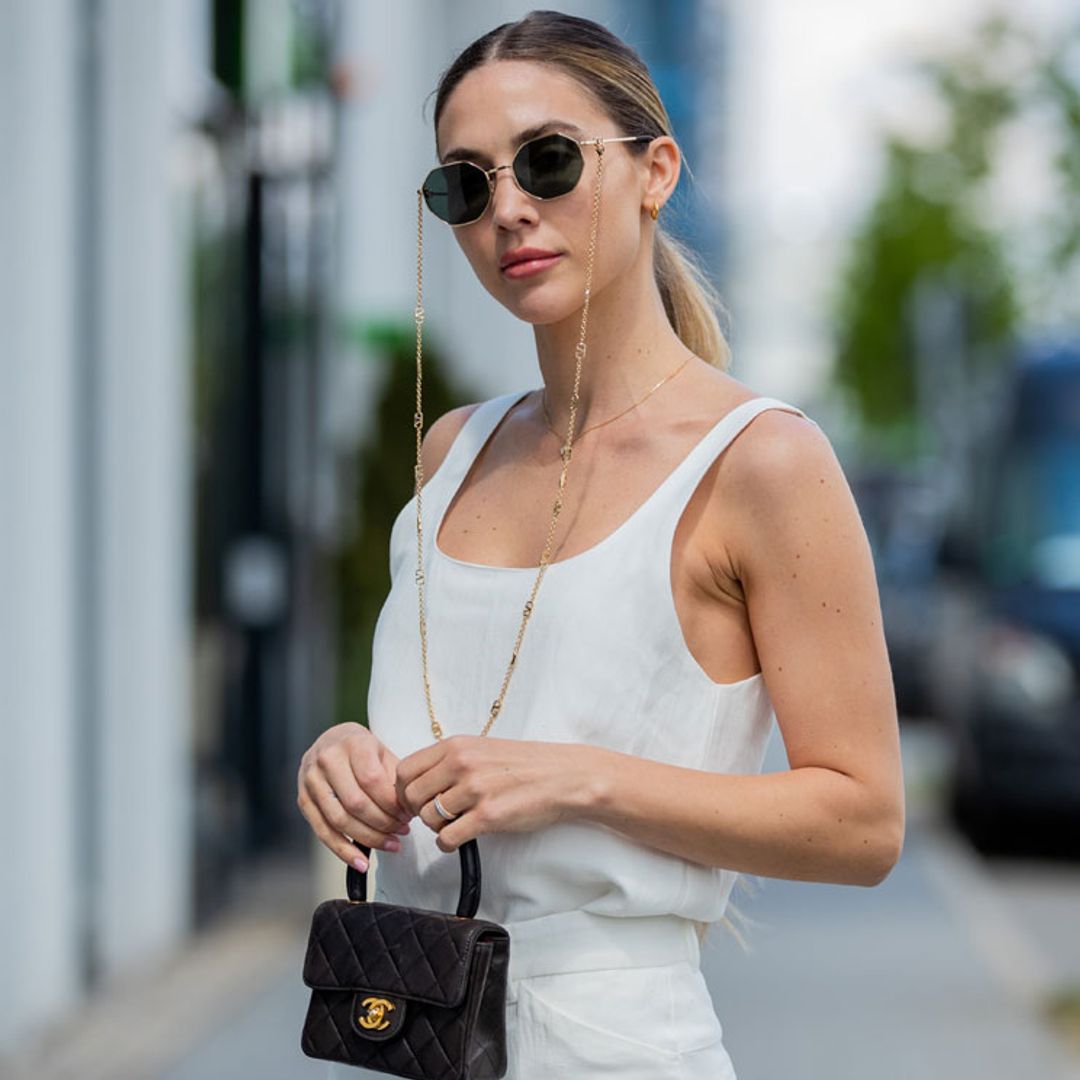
<point>336,804</point>
<point>339,844</point>
<point>375,773</point>
<point>469,821</point>
<point>353,795</point>
<point>451,801</point>
<point>439,780</point>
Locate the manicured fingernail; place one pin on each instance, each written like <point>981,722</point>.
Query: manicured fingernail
<point>360,863</point>
<point>392,845</point>
<point>402,829</point>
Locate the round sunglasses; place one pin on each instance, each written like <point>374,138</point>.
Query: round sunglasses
<point>546,167</point>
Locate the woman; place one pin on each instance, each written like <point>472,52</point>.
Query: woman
<point>710,574</point>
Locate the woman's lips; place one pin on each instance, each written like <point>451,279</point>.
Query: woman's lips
<point>530,266</point>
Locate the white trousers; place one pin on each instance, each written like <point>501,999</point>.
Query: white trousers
<point>603,996</point>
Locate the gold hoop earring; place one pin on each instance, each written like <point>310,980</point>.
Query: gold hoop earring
<point>655,211</point>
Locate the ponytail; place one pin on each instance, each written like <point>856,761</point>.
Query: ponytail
<point>691,301</point>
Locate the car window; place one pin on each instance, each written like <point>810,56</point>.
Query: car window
<point>1034,528</point>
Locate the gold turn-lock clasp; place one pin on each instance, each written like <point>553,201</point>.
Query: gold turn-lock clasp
<point>375,1017</point>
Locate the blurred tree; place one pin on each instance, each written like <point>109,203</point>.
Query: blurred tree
<point>385,482</point>
<point>934,225</point>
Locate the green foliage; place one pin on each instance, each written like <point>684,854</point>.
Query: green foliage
<point>911,233</point>
<point>1060,87</point>
<point>927,223</point>
<point>385,483</point>
<point>312,43</point>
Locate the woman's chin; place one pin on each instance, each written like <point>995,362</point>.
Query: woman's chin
<point>540,310</point>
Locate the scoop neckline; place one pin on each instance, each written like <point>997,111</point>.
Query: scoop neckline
<point>600,544</point>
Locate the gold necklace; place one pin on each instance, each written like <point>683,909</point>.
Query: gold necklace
<point>565,452</point>
<point>671,375</point>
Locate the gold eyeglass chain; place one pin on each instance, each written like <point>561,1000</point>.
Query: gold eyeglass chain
<point>565,452</point>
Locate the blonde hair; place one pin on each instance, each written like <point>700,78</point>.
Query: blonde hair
<point>618,80</point>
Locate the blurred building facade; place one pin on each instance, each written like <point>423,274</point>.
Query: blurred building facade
<point>96,793</point>
<point>162,191</point>
<point>193,197</point>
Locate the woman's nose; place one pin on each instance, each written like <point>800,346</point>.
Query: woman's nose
<point>511,204</point>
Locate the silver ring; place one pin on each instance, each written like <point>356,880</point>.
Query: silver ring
<point>443,812</point>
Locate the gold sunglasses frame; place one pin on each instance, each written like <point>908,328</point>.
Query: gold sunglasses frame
<point>489,174</point>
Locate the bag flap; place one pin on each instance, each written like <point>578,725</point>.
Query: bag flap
<point>391,949</point>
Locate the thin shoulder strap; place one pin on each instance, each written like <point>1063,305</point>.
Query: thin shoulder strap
<point>474,433</point>
<point>683,481</point>
<point>717,440</point>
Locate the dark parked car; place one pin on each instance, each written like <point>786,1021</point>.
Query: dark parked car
<point>1006,678</point>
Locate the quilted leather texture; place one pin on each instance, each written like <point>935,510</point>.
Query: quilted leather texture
<point>440,978</point>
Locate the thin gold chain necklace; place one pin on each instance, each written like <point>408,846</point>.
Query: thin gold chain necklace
<point>565,452</point>
<point>670,375</point>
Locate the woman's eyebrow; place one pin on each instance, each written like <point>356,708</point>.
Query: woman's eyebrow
<point>466,153</point>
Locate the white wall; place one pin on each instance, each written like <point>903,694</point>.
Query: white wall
<point>145,542</point>
<point>38,531</point>
<point>94,698</point>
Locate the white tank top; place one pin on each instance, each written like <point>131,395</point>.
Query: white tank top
<point>603,661</point>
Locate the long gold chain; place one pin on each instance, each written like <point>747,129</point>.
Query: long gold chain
<point>670,375</point>
<point>565,453</point>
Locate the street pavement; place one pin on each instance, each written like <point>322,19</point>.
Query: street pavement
<point>930,975</point>
<point>939,973</point>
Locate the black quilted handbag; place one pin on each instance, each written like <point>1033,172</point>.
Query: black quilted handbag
<point>406,991</point>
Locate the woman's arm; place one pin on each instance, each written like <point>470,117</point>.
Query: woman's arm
<point>797,545</point>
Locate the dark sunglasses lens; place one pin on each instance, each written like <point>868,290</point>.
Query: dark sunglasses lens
<point>456,193</point>
<point>549,166</point>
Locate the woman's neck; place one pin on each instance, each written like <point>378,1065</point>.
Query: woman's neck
<point>631,346</point>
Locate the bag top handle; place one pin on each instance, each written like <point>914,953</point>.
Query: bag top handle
<point>468,898</point>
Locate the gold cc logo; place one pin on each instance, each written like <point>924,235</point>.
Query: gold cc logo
<point>375,1018</point>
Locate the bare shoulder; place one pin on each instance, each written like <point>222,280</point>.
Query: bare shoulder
<point>440,436</point>
<point>782,482</point>
<point>776,450</point>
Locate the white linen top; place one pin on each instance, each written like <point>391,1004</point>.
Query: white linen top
<point>603,661</point>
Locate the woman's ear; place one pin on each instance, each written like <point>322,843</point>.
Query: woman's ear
<point>662,165</point>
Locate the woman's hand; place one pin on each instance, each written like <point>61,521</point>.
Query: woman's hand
<point>494,785</point>
<point>346,790</point>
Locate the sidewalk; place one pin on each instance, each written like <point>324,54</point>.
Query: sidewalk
<point>927,975</point>
<point>930,975</point>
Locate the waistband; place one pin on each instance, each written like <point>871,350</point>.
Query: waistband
<point>567,941</point>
